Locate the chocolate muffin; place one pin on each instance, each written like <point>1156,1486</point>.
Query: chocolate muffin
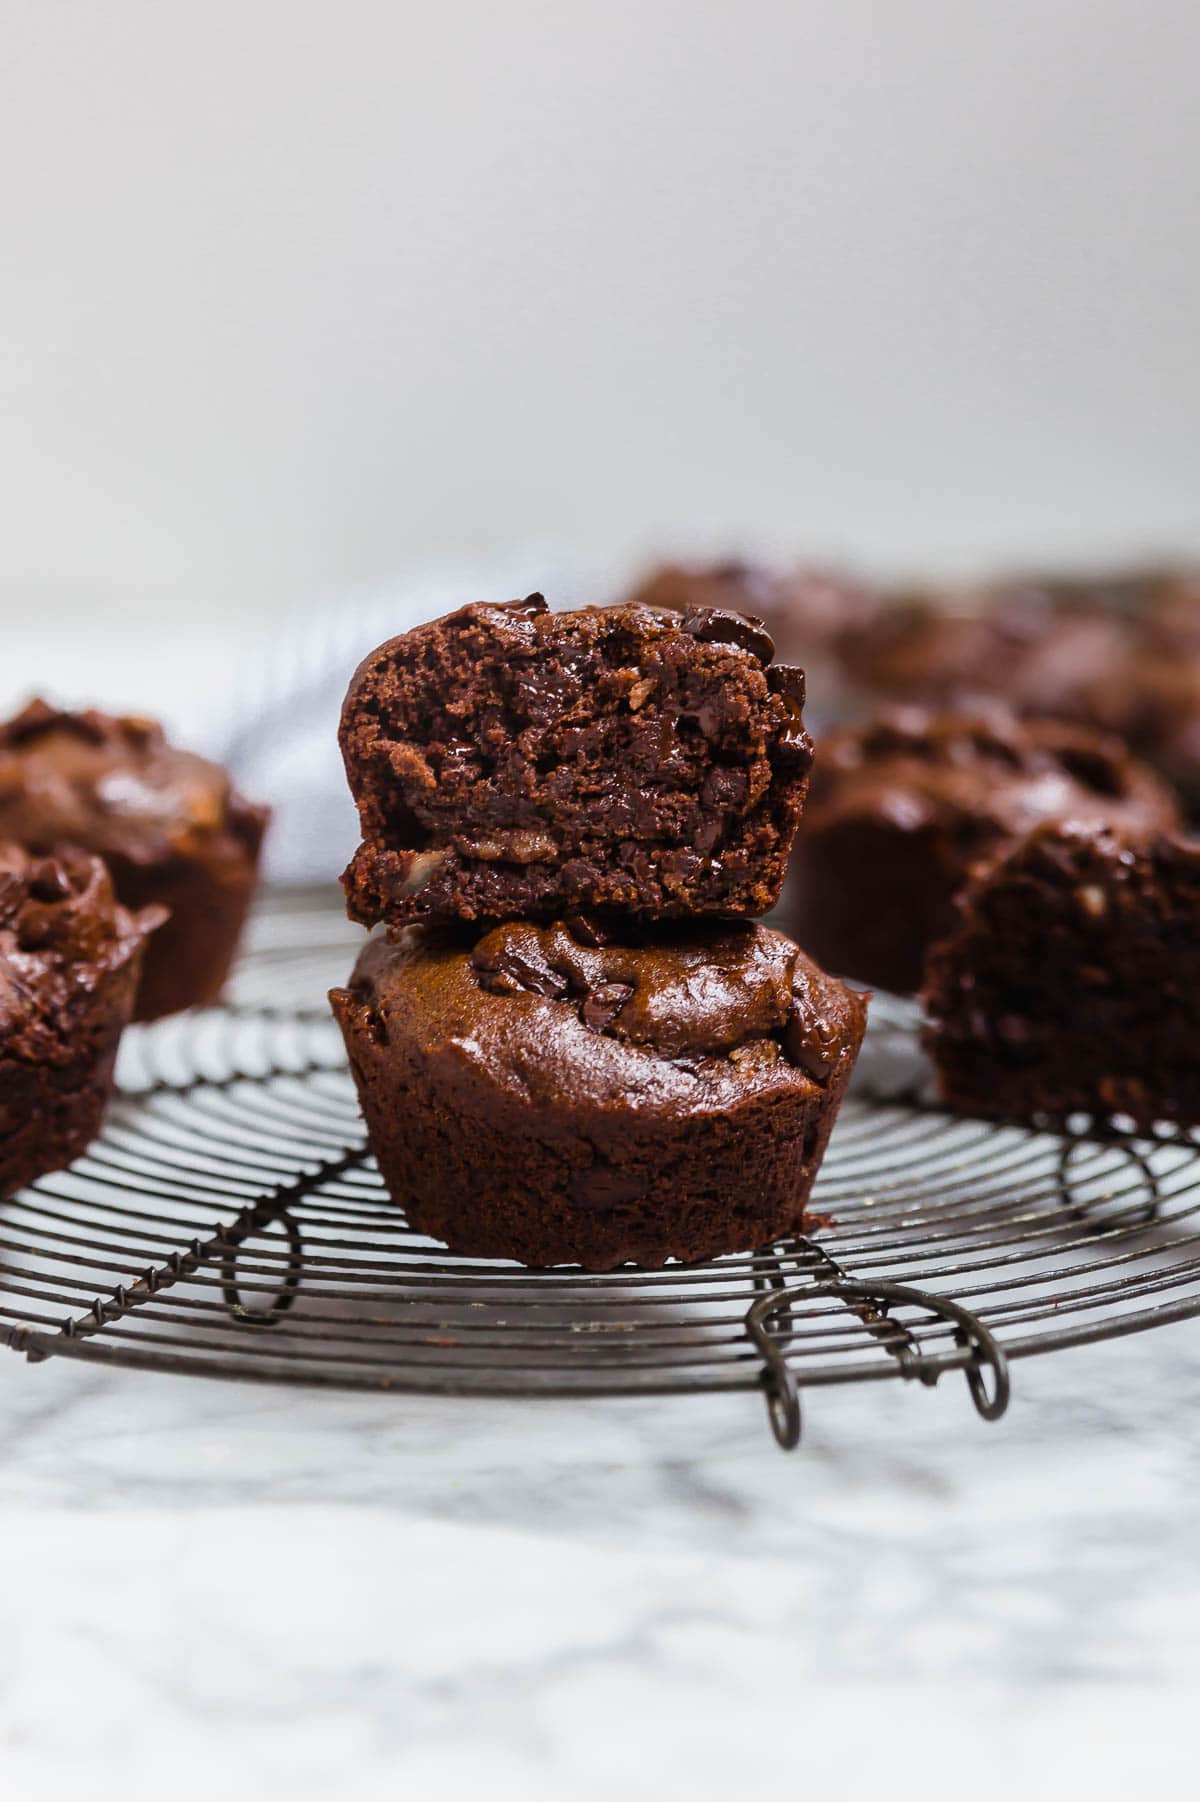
<point>1151,696</point>
<point>1119,652</point>
<point>1071,983</point>
<point>1171,609</point>
<point>69,963</point>
<point>1035,642</point>
<point>170,826</point>
<point>925,646</point>
<point>512,763</point>
<point>903,805</point>
<point>543,1097</point>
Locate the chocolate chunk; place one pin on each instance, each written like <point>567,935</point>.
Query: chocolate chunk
<point>601,1007</point>
<point>717,625</point>
<point>787,680</point>
<point>508,964</point>
<point>48,880</point>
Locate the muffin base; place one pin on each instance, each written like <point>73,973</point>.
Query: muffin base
<point>495,1176</point>
<point>49,1117</point>
<point>188,960</point>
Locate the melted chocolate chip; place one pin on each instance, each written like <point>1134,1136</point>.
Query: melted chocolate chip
<point>507,969</point>
<point>530,607</point>
<point>788,680</point>
<point>601,1007</point>
<point>587,930</point>
<point>719,625</point>
<point>789,683</point>
<point>809,1042</point>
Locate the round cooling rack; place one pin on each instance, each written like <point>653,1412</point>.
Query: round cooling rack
<point>229,1222</point>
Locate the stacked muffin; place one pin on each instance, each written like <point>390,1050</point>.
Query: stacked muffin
<point>575,1044</point>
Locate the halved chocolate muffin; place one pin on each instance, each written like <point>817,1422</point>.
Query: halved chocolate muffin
<point>541,1096</point>
<point>70,958</point>
<point>170,826</point>
<point>512,763</point>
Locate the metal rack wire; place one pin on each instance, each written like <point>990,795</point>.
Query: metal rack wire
<point>229,1222</point>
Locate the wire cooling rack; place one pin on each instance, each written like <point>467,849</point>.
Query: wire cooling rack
<point>229,1222</point>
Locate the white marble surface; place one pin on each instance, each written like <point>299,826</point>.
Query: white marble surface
<point>209,1589</point>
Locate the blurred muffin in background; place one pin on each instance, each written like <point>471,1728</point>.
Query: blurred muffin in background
<point>1119,652</point>
<point>171,827</point>
<point>903,805</point>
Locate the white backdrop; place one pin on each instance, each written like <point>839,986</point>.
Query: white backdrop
<point>292,293</point>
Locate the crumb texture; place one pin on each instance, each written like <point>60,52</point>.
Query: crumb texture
<point>510,763</point>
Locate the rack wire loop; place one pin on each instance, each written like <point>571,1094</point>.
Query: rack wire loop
<point>970,1335</point>
<point>289,1284</point>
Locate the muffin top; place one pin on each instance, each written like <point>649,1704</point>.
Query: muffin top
<point>914,768</point>
<point>62,934</point>
<point>680,1021</point>
<point>115,786</point>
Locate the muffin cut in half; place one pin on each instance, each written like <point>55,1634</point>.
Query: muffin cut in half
<point>70,958</point>
<point>170,826</point>
<point>512,763</point>
<point>543,1097</point>
<point>1072,983</point>
<point>902,806</point>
